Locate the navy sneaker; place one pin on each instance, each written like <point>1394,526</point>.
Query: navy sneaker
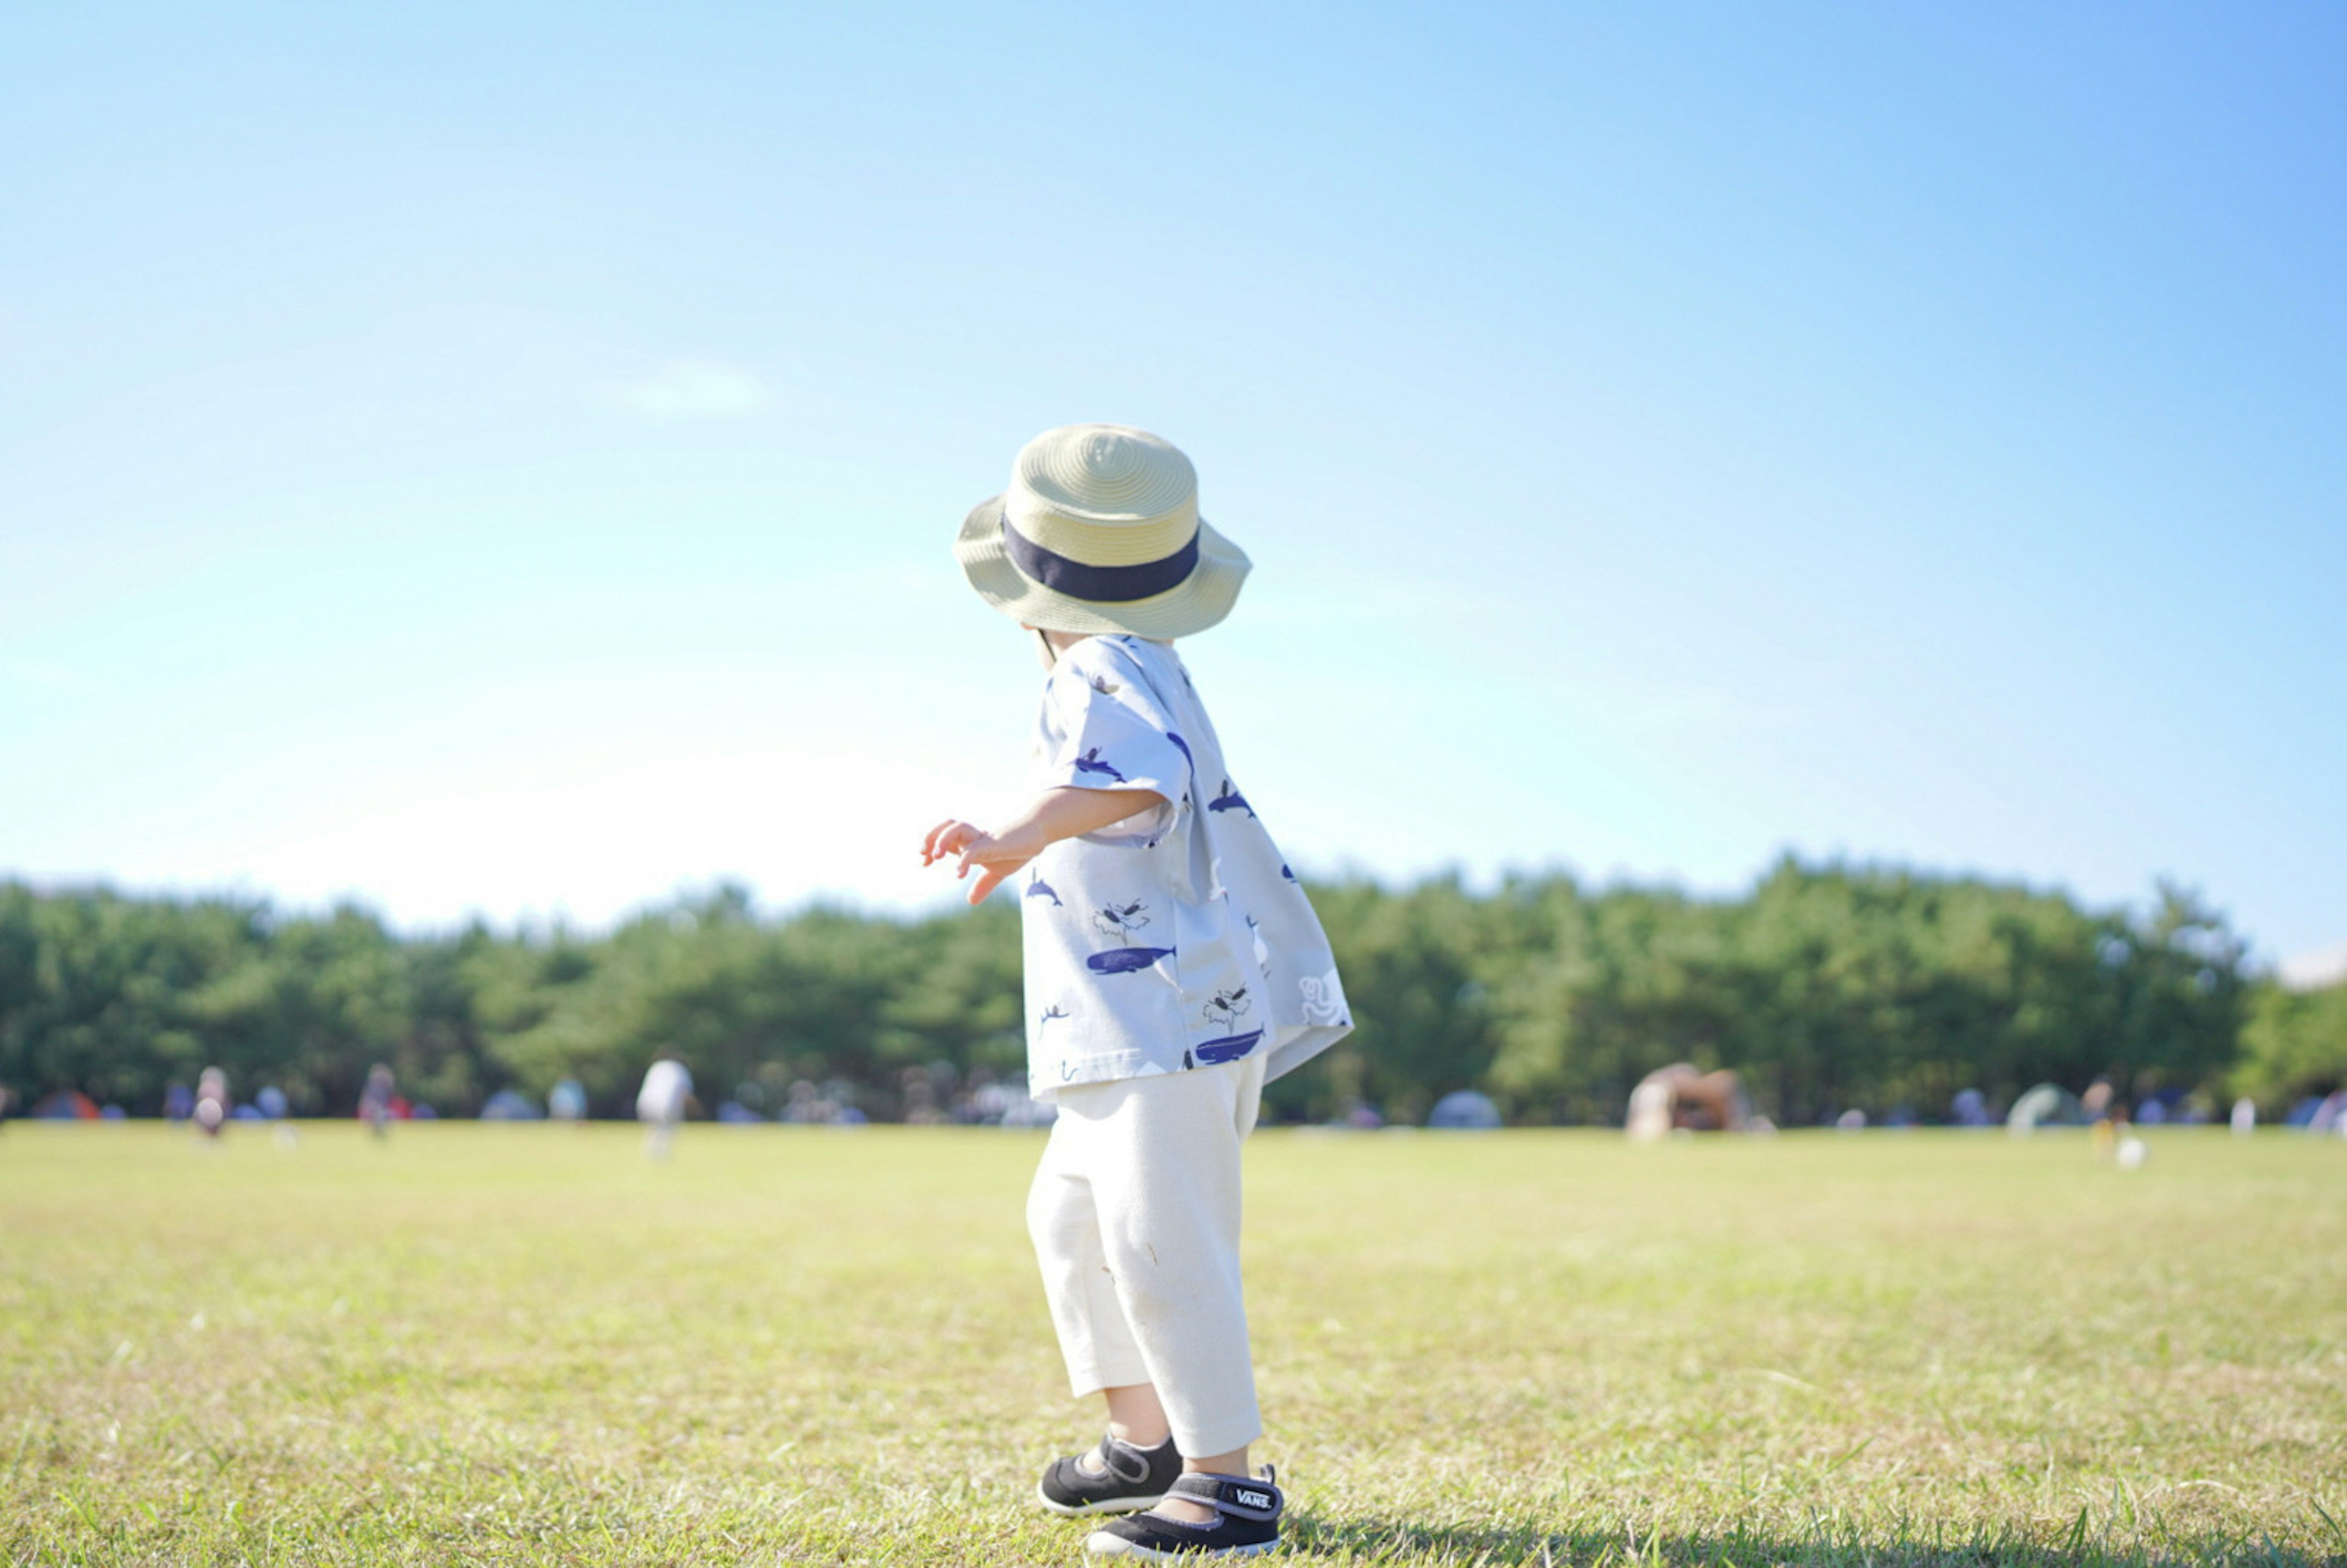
<point>1130,1478</point>
<point>1246,1522</point>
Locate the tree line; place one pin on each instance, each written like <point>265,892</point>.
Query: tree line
<point>1829,987</point>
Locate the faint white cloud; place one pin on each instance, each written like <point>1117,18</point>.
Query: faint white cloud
<point>2312,971</point>
<point>690,389</point>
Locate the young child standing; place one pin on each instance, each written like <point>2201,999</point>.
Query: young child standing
<point>1174,967</point>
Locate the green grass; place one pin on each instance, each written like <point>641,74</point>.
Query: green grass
<point>529,1345</point>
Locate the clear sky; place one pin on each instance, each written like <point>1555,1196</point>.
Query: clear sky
<point>501,460</point>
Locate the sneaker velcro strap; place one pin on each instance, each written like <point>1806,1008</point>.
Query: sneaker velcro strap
<point>1235,1495</point>
<point>1123,1460</point>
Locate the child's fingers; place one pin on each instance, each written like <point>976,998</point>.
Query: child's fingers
<point>941,839</point>
<point>990,878</point>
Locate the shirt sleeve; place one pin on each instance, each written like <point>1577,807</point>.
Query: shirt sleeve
<point>1110,731</point>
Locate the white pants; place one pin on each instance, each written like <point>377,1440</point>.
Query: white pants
<point>1135,1219</point>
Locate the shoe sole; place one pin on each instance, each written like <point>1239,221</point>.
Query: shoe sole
<point>1105,1506</point>
<point>1101,1543</point>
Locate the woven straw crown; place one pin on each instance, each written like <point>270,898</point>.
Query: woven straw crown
<point>1104,494</point>
<point>1100,531</point>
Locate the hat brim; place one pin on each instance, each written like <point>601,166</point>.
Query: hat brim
<point>1199,601</point>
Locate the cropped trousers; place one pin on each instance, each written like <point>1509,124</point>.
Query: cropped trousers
<point>1134,1215</point>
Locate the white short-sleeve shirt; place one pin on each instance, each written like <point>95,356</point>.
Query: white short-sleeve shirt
<point>1178,938</point>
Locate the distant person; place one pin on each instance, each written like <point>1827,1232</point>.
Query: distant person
<point>806,1104</point>
<point>377,1099</point>
<point>1678,1096</point>
<point>983,1101</point>
<point>661,1102</point>
<point>1174,965</point>
<point>212,1107</point>
<point>567,1102</point>
<point>2245,1116</point>
<point>2107,1109</point>
<point>920,1097</point>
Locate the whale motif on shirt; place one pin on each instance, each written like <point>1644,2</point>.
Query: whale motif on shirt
<point>1284,871</point>
<point>1105,687</point>
<point>1323,998</point>
<point>1039,889</point>
<point>1090,763</point>
<point>1124,960</point>
<point>1181,746</point>
<point>1229,1048</point>
<point>1229,800</point>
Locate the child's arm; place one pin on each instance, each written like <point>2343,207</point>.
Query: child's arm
<point>1055,814</point>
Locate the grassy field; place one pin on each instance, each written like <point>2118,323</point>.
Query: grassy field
<point>528,1344</point>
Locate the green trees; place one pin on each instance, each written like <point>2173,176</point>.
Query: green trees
<point>824,995</point>
<point>1410,963</point>
<point>2293,1045</point>
<point>104,993</point>
<point>1827,986</point>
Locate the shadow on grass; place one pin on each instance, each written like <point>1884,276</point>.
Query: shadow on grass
<point>1833,1544</point>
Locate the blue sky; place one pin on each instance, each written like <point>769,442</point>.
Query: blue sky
<point>501,460</point>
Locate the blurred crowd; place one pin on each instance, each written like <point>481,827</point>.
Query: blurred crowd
<point>1676,1098</point>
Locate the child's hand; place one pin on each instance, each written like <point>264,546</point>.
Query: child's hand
<point>995,856</point>
<point>1057,814</point>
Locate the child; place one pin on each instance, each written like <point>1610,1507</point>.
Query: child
<point>1174,965</point>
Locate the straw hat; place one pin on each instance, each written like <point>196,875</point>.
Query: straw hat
<point>1100,532</point>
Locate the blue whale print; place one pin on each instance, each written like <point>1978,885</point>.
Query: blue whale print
<point>1039,889</point>
<point>1124,960</point>
<point>1230,1048</point>
<point>1228,800</point>
<point>1183,746</point>
<point>1284,871</point>
<point>1090,763</point>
